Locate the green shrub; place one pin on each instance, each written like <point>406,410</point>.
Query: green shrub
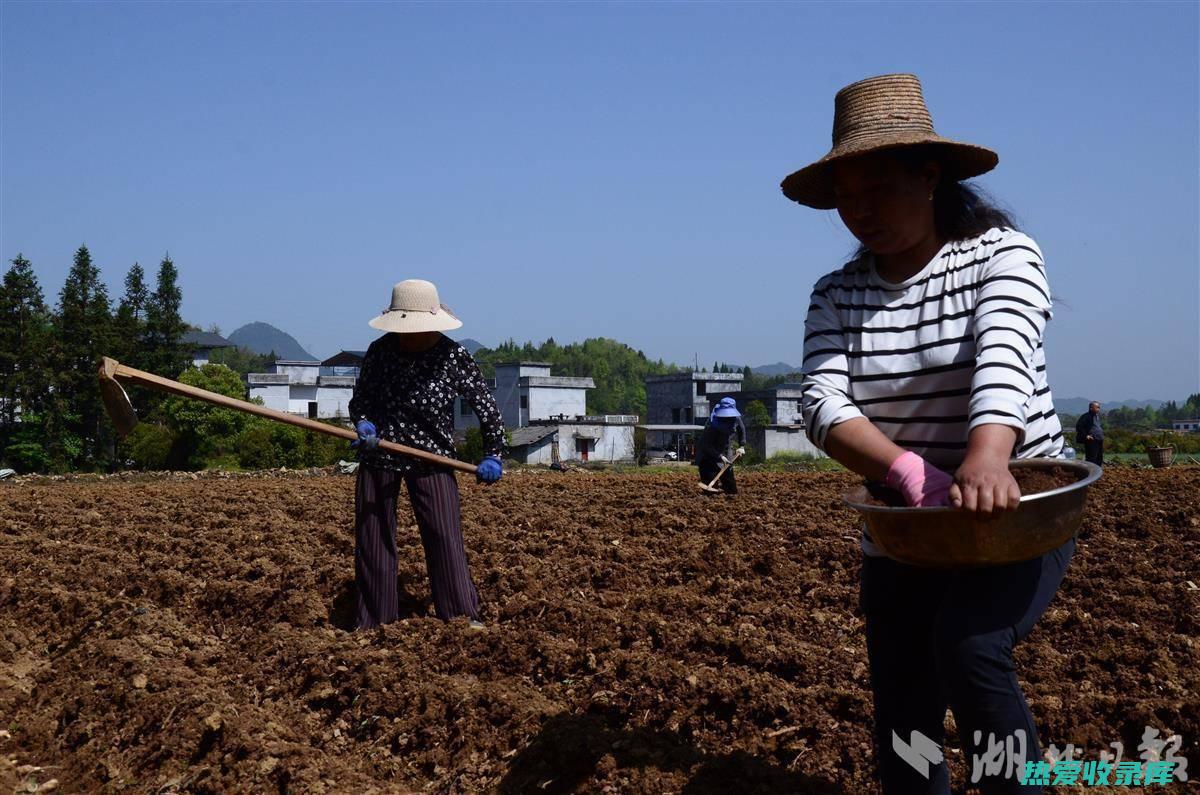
<point>254,447</point>
<point>471,450</point>
<point>149,446</point>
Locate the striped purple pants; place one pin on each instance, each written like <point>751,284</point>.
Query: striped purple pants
<point>434,497</point>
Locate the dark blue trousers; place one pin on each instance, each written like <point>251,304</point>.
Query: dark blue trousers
<point>940,639</point>
<point>434,498</point>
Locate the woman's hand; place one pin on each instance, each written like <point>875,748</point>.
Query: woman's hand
<point>983,483</point>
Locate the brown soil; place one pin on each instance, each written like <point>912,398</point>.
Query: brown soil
<point>1029,481</point>
<point>190,635</point>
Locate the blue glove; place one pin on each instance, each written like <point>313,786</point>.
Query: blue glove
<point>489,471</point>
<point>368,437</point>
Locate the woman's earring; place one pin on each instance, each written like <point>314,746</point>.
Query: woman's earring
<point>930,195</point>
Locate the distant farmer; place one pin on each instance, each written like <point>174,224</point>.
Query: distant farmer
<point>1089,433</point>
<point>712,451</point>
<point>924,369</point>
<point>405,394</point>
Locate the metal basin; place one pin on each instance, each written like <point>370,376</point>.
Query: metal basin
<point>950,538</point>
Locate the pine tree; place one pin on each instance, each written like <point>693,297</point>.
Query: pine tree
<point>129,326</point>
<point>165,352</point>
<point>23,377</point>
<point>82,334</point>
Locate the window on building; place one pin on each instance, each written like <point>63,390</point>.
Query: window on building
<point>524,401</point>
<point>464,408</point>
<point>312,409</point>
<point>701,387</point>
<point>675,416</point>
<point>687,415</point>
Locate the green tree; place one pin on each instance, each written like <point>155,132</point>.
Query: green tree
<point>205,432</point>
<point>166,353</point>
<point>757,415</point>
<point>23,338</point>
<point>82,334</point>
<point>242,360</point>
<point>129,325</point>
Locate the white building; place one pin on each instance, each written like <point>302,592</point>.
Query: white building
<point>546,417</point>
<point>1186,425</point>
<point>677,408</point>
<point>525,392</point>
<point>298,387</point>
<point>607,438</point>
<point>785,433</point>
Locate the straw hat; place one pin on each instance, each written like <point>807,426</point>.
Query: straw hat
<point>882,113</point>
<point>416,307</point>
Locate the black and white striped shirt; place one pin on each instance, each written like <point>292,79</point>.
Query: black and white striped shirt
<point>955,346</point>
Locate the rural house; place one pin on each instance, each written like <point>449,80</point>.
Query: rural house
<point>785,433</point>
<point>300,387</point>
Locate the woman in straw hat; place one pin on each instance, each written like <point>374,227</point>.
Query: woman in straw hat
<point>924,369</point>
<point>713,448</point>
<point>405,394</point>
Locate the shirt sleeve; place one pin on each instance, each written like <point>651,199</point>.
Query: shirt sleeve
<point>825,400</point>
<point>367,389</point>
<point>473,388</point>
<point>741,432</point>
<point>1012,307</point>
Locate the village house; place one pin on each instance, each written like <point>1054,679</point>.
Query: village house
<point>546,417</point>
<point>677,408</point>
<point>300,387</point>
<point>1192,426</point>
<point>202,344</point>
<point>785,433</point>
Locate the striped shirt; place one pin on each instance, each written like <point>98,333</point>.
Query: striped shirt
<point>957,345</point>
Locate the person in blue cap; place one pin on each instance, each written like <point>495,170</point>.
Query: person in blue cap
<point>712,451</point>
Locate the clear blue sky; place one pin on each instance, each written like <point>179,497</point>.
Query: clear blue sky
<point>575,170</point>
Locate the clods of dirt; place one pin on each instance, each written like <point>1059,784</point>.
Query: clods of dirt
<point>192,635</point>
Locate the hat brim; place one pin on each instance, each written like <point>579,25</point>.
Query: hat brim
<point>812,185</point>
<point>414,322</point>
<point>722,413</point>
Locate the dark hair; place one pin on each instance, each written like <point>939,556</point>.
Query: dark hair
<point>960,210</point>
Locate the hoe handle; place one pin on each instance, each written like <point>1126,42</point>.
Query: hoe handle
<point>713,483</point>
<point>115,370</point>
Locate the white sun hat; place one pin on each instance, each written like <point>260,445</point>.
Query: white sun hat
<point>415,308</point>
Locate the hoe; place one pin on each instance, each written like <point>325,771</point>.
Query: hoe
<point>116,402</point>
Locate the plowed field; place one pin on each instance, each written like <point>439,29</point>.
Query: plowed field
<point>191,634</point>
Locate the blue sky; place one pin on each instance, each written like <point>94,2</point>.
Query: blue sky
<point>575,170</point>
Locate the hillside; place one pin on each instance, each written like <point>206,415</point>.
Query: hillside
<point>263,338</point>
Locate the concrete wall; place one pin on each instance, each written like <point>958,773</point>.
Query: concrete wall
<point>547,402</point>
<point>274,396</point>
<point>540,452</point>
<point>775,439</point>
<point>665,394</point>
<point>300,396</point>
<point>333,397</point>
<point>613,442</point>
<point>508,396</point>
<point>298,372</point>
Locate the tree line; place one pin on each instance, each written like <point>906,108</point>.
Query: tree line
<point>51,415</point>
<point>618,370</point>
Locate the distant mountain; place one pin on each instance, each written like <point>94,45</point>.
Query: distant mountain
<point>262,338</point>
<point>779,368</point>
<point>471,345</point>
<point>1078,405</point>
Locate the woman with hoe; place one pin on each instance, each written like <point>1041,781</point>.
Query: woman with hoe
<point>405,393</point>
<point>712,451</point>
<point>924,369</point>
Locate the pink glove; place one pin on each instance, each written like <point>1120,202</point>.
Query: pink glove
<point>922,484</point>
